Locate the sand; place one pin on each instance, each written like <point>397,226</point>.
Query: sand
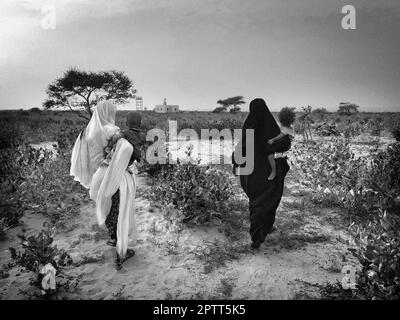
<point>304,251</point>
<point>199,262</point>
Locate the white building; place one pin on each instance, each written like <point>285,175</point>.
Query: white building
<point>139,103</point>
<point>166,108</point>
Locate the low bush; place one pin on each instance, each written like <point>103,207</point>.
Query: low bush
<point>350,130</point>
<point>41,257</point>
<point>396,133</point>
<point>199,192</point>
<point>10,136</point>
<point>327,129</point>
<point>332,170</point>
<point>35,110</point>
<point>383,176</point>
<point>339,178</point>
<point>297,127</point>
<point>17,164</point>
<point>38,181</point>
<point>377,247</point>
<point>287,116</point>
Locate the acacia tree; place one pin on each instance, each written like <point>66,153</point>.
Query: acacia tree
<point>347,108</point>
<point>81,90</point>
<point>232,104</point>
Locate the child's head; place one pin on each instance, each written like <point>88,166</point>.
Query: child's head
<point>133,120</point>
<point>287,116</point>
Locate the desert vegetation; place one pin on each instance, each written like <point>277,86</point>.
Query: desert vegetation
<point>340,208</point>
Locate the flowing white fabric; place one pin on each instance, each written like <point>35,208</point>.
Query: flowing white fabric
<point>106,181</point>
<point>82,168</point>
<point>103,180</point>
<point>88,151</point>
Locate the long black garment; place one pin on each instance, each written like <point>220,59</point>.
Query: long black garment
<point>112,218</point>
<point>264,195</point>
<point>264,201</point>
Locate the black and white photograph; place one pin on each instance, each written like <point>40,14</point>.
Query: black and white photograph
<point>173,151</point>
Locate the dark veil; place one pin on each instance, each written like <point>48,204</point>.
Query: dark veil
<point>262,121</point>
<point>265,127</point>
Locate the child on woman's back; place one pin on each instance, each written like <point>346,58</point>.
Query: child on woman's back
<point>286,119</point>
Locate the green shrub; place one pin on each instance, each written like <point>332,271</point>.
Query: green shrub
<point>350,130</point>
<point>377,247</point>
<point>297,128</point>
<point>35,110</point>
<point>396,133</point>
<point>39,253</point>
<point>287,116</point>
<point>10,136</point>
<point>327,129</point>
<point>17,166</point>
<point>383,176</point>
<point>378,250</point>
<point>67,134</point>
<point>68,122</point>
<point>338,178</point>
<point>38,181</point>
<point>23,113</point>
<point>199,192</point>
<point>333,172</point>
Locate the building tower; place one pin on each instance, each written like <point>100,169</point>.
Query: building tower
<point>139,103</point>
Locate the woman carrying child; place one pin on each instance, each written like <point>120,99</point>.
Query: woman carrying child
<point>264,194</point>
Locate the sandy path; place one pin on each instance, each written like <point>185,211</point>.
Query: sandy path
<point>168,264</point>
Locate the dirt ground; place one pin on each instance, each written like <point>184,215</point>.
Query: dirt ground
<point>197,262</point>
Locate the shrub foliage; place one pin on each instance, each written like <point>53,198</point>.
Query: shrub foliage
<point>199,192</point>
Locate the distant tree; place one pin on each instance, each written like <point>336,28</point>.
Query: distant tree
<point>347,108</point>
<point>81,91</point>
<point>287,116</point>
<point>320,113</point>
<point>231,104</point>
<point>218,110</point>
<point>320,110</point>
<point>35,110</point>
<point>235,109</point>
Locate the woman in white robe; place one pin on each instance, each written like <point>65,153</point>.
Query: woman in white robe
<point>104,177</point>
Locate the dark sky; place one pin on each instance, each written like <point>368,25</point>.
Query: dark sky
<point>290,52</point>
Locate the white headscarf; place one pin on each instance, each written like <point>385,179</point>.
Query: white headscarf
<point>88,151</point>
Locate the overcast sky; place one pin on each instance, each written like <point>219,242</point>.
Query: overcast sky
<point>194,52</point>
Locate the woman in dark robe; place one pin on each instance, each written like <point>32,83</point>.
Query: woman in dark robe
<point>264,195</point>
